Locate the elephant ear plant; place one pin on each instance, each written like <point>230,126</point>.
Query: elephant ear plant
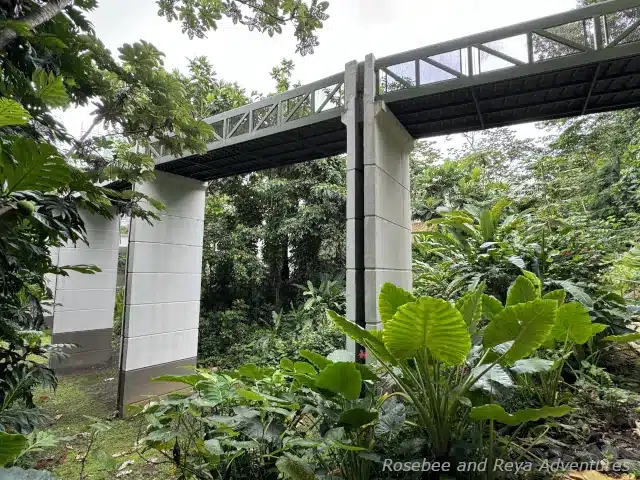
<point>438,353</point>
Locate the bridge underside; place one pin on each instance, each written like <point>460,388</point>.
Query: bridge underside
<point>593,88</point>
<point>307,142</point>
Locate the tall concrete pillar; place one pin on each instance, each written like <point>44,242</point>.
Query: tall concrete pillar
<point>387,204</point>
<point>352,118</point>
<point>162,300</point>
<point>84,303</point>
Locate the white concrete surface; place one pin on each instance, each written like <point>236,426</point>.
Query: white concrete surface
<point>387,207</point>
<point>78,320</point>
<point>162,305</point>
<point>148,350</point>
<point>352,119</point>
<point>86,301</point>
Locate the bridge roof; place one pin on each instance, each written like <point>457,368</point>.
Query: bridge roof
<point>583,61</point>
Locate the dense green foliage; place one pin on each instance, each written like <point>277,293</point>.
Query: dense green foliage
<point>51,58</point>
<point>444,372</point>
<point>269,238</point>
<point>526,261</point>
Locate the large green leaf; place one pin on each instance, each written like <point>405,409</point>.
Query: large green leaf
<point>521,291</point>
<point>470,306</point>
<point>10,446</point>
<point>596,328</point>
<point>498,209</point>
<point>576,292</point>
<point>305,368</point>
<point>357,417</point>
<point>535,281</point>
<point>12,113</point>
<point>392,417</point>
<point>526,324</point>
<point>390,299</point>
<point>295,468</point>
<point>251,370</point>
<point>360,335</point>
<point>493,411</point>
<point>629,337</point>
<point>49,88</point>
<point>315,358</point>
<point>432,323</point>
<point>486,225</point>
<point>486,379</point>
<point>36,166</point>
<point>559,295</point>
<point>573,323</point>
<point>343,378</point>
<point>491,306</point>
<point>366,372</point>
<point>533,365</point>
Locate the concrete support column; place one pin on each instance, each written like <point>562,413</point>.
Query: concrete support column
<point>162,300</point>
<point>352,118</point>
<point>387,203</point>
<point>84,303</point>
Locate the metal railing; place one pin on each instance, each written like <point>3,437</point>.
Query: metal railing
<point>272,113</point>
<point>593,28</point>
<point>596,29</point>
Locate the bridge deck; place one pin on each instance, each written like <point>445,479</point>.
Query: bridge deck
<point>574,63</point>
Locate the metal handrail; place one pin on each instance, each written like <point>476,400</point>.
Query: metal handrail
<point>551,21</point>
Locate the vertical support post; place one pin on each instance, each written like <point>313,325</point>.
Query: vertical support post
<point>162,298</point>
<point>387,203</point>
<point>597,32</point>
<point>352,118</point>
<point>530,47</point>
<point>84,303</point>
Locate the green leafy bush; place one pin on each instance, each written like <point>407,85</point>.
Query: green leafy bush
<point>229,338</point>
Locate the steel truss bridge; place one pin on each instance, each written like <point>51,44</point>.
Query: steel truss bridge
<point>574,63</point>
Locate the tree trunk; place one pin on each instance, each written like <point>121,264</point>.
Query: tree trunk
<point>34,20</point>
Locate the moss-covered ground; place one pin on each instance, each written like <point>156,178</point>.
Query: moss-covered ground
<point>92,395</point>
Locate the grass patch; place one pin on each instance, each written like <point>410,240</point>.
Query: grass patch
<point>91,395</point>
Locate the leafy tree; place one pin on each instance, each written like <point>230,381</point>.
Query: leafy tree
<point>50,61</point>
<point>265,233</point>
<point>269,16</point>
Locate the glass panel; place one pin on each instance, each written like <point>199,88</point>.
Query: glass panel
<point>618,22</point>
<point>545,49</point>
<point>321,95</point>
<point>580,32</point>
<point>262,113</point>
<point>406,71</point>
<point>489,62</point>
<point>451,59</point>
<point>218,127</point>
<point>243,126</point>
<point>432,74</point>
<point>515,47</point>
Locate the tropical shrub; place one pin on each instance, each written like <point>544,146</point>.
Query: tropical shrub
<point>445,358</point>
<point>317,415</point>
<point>461,248</point>
<point>285,335</point>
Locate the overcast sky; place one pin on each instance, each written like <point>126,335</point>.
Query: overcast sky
<point>354,29</point>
